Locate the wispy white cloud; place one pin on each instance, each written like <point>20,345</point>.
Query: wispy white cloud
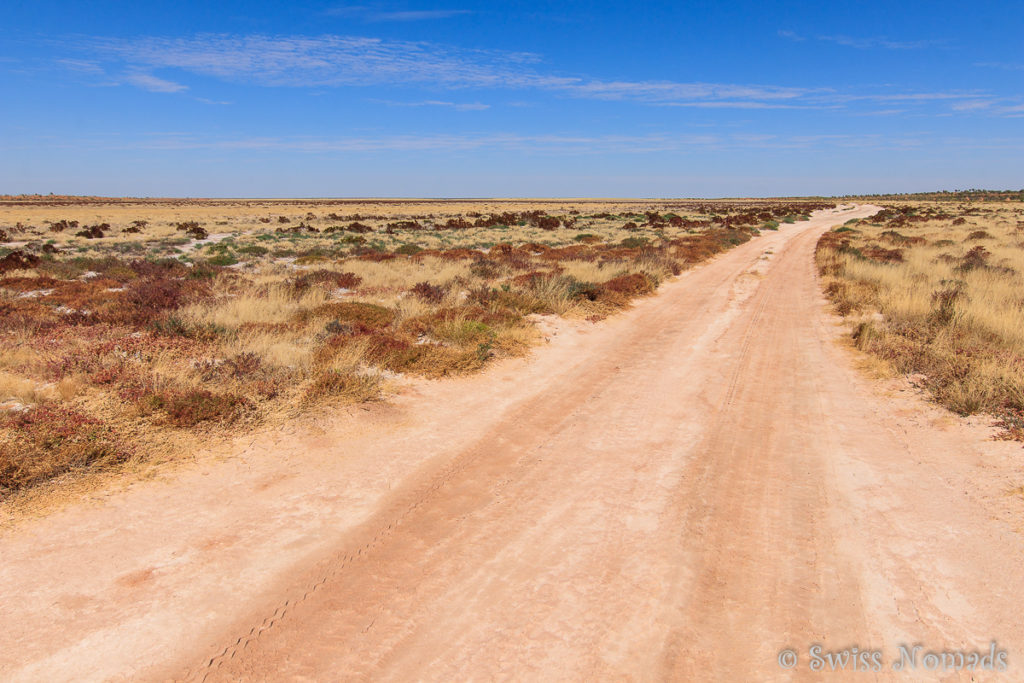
<point>345,10</point>
<point>152,83</point>
<point>1009,107</point>
<point>973,105</point>
<point>432,142</point>
<point>668,91</point>
<point>86,66</point>
<point>373,14</point>
<point>734,104</point>
<point>326,60</point>
<point>882,112</point>
<point>417,15</point>
<point>908,97</point>
<point>342,61</point>
<point>885,43</point>
<point>458,106</point>
<point>535,144</point>
<point>863,43</point>
<point>540,144</point>
<point>1007,66</point>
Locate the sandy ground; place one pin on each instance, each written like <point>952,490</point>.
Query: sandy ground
<point>677,493</point>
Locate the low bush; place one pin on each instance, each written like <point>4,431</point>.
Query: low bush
<point>370,315</point>
<point>192,407</point>
<point>192,229</point>
<point>18,260</point>
<point>946,317</point>
<point>349,387</point>
<point>424,291</point>
<point>49,440</point>
<point>185,342</point>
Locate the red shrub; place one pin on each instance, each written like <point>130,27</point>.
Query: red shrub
<point>424,291</point>
<point>50,440</point>
<point>882,254</point>
<point>328,278</point>
<point>368,315</point>
<point>635,284</point>
<point>530,279</point>
<point>501,249</point>
<point>91,232</point>
<point>18,260</point>
<point>199,405</point>
<point>371,255</point>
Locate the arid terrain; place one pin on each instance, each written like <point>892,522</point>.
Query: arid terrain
<point>136,329</point>
<point>933,290</point>
<point>574,440</point>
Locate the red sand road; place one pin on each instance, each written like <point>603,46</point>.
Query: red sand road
<point>677,493</point>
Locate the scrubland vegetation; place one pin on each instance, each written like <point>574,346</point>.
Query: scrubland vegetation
<point>971,195</point>
<point>936,290</point>
<point>129,327</point>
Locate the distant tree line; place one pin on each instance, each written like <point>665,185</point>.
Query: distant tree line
<point>971,195</point>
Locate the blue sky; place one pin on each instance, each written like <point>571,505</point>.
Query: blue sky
<point>464,99</point>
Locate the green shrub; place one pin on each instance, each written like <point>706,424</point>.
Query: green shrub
<point>634,242</point>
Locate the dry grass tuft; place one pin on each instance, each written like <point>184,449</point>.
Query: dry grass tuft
<point>947,308</point>
<point>168,322</point>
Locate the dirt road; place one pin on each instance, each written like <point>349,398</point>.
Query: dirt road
<point>677,493</point>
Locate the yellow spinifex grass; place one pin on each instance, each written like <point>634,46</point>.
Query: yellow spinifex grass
<point>952,308</point>
<point>151,330</point>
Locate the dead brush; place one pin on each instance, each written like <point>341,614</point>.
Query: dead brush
<point>243,364</point>
<point>881,254</point>
<point>850,296</point>
<point>946,302</point>
<point>371,316</point>
<point>632,285</point>
<point>18,260</point>
<point>91,232</point>
<point>194,406</point>
<point>342,386</point>
<point>951,319</point>
<point>425,360</point>
<point>187,343</point>
<point>62,225</point>
<point>327,278</point>
<point>1011,425</point>
<point>239,366</point>
<point>49,440</point>
<point>485,270</point>
<point>973,259</point>
<point>424,291</point>
<point>193,229</point>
